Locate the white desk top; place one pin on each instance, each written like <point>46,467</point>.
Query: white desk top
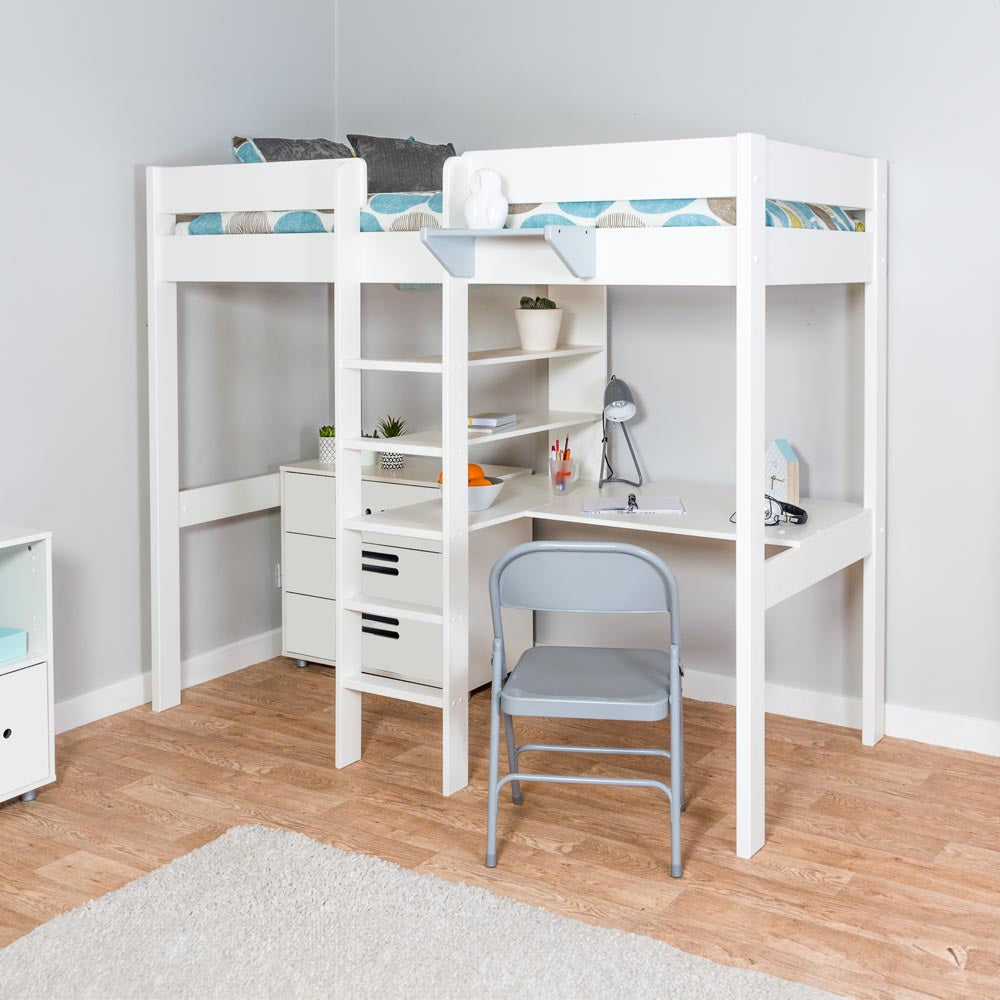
<point>707,511</point>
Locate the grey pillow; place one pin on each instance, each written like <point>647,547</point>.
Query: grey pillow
<point>275,150</point>
<point>401,164</point>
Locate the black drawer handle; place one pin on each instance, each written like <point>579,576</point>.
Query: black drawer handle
<point>381,619</point>
<point>7,733</point>
<point>380,556</point>
<point>384,570</point>
<point>368,510</point>
<point>384,633</point>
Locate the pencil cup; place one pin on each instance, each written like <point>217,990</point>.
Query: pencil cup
<point>562,475</point>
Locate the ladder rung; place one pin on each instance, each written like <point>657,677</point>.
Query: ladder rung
<point>390,687</point>
<point>394,609</point>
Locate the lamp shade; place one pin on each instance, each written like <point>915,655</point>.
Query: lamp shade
<point>619,405</point>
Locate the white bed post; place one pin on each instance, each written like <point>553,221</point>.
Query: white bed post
<point>751,288</point>
<point>349,201</point>
<point>455,497</point>
<point>873,601</point>
<point>164,486</point>
<point>455,611</point>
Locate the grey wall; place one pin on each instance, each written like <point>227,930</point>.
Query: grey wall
<point>92,93</point>
<point>915,83</point>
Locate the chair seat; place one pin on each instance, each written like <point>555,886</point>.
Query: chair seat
<point>583,682</point>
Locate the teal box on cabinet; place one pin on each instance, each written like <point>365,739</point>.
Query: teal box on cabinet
<point>13,643</point>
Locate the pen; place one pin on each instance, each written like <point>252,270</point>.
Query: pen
<point>566,452</point>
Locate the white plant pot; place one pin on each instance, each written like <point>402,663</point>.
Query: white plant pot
<point>369,458</point>
<point>538,328</point>
<point>328,450</point>
<point>391,461</point>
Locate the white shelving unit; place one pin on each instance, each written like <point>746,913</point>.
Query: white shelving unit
<point>27,725</point>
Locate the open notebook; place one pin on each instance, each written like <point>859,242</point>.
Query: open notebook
<point>633,503</point>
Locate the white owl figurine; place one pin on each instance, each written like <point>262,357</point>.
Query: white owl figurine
<point>486,207</point>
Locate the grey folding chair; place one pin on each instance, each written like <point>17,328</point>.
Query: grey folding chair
<point>579,682</point>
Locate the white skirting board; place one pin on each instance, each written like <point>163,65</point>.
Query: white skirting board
<point>958,732</point>
<point>135,691</point>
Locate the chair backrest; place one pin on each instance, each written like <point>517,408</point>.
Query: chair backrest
<point>592,577</point>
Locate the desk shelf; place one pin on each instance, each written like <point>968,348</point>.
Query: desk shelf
<point>428,443</point>
<point>431,364</point>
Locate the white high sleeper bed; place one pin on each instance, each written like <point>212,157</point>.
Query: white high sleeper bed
<point>748,256</point>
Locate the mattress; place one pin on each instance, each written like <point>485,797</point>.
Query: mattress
<point>401,213</point>
<point>383,213</point>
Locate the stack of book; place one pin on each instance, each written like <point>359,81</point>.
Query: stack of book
<point>491,423</point>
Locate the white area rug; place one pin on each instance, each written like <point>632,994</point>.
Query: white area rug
<point>269,913</point>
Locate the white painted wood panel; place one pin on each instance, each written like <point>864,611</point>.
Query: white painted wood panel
<point>400,574</point>
<point>272,257</point>
<point>25,729</point>
<point>233,499</point>
<point>310,504</point>
<point>873,600</point>
<point>310,627</point>
<point>817,257</point>
<point>164,523</point>
<point>683,168</point>
<point>242,187</point>
<point>803,173</point>
<point>750,411</point>
<point>310,565</point>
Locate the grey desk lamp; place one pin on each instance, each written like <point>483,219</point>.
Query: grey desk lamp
<point>619,406</point>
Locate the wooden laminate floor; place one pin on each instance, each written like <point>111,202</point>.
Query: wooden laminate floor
<point>880,878</point>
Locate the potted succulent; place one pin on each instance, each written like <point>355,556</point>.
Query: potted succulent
<point>538,321</point>
<point>327,444</point>
<point>390,427</point>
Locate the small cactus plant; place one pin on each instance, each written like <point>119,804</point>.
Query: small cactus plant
<point>538,302</point>
<point>391,427</point>
<point>327,431</point>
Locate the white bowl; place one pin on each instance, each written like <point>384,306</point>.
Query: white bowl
<point>483,497</point>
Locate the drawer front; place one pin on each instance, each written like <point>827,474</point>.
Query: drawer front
<point>411,651</point>
<point>310,627</point>
<point>310,504</point>
<point>378,496</point>
<point>401,574</point>
<point>24,728</point>
<point>310,565</point>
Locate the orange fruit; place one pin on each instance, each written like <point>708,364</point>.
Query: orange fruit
<point>480,481</point>
<point>475,472</point>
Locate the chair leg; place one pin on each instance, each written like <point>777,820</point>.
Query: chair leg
<point>491,819</point>
<point>676,775</point>
<point>515,786</point>
<point>679,720</point>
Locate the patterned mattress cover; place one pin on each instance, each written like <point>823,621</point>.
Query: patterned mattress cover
<point>397,213</point>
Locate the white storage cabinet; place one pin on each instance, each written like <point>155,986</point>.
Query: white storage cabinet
<point>406,569</point>
<point>27,730</point>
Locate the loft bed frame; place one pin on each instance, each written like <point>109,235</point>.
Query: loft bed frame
<point>748,257</point>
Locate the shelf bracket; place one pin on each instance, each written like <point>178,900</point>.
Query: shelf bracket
<point>455,249</point>
<point>576,247</point>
